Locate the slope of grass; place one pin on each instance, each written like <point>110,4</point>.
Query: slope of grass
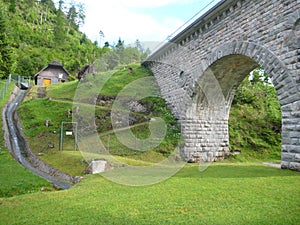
<point>117,81</point>
<point>15,179</point>
<point>35,112</point>
<point>223,194</point>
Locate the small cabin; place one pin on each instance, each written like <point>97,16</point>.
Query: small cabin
<point>53,73</point>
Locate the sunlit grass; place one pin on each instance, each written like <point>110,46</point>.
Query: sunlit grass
<point>223,194</point>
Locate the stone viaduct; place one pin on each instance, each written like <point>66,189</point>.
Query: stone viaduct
<point>199,70</point>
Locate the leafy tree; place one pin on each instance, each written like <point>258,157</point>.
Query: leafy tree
<point>259,76</point>
<point>76,15</point>
<point>84,39</point>
<point>111,60</point>
<point>60,5</point>
<point>256,116</point>
<point>130,55</point>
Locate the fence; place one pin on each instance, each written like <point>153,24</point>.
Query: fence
<point>4,88</point>
<point>19,80</point>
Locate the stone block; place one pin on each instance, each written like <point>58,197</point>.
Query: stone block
<point>287,156</point>
<point>294,166</point>
<point>98,166</point>
<point>285,164</point>
<point>297,157</point>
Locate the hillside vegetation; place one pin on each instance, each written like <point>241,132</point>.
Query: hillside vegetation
<point>35,33</point>
<point>38,33</point>
<point>58,101</point>
<point>255,119</point>
<point>254,124</point>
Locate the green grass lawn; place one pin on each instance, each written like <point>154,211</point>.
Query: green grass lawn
<point>15,179</point>
<point>223,194</point>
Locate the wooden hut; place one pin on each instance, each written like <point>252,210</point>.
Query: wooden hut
<point>53,73</point>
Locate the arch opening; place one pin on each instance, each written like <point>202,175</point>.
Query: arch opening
<point>254,123</point>
<point>209,113</point>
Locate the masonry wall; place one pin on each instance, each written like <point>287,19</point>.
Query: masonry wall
<point>257,32</point>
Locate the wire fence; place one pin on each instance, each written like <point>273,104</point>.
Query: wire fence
<point>17,79</point>
<point>5,86</point>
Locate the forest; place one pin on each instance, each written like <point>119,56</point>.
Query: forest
<point>34,33</point>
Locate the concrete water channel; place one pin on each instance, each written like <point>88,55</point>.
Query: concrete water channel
<point>21,152</point>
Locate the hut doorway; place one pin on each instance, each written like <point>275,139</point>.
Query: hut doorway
<point>46,82</point>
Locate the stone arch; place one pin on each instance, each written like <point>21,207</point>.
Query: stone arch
<point>214,141</point>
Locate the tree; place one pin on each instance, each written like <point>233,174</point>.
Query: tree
<point>130,55</point>
<point>81,14</point>
<point>120,45</point>
<point>106,44</point>
<point>120,49</point>
<point>37,34</point>
<point>61,5</point>
<point>84,39</point>
<point>139,46</point>
<point>71,16</point>
<point>76,15</point>
<point>6,60</point>
<point>112,60</point>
